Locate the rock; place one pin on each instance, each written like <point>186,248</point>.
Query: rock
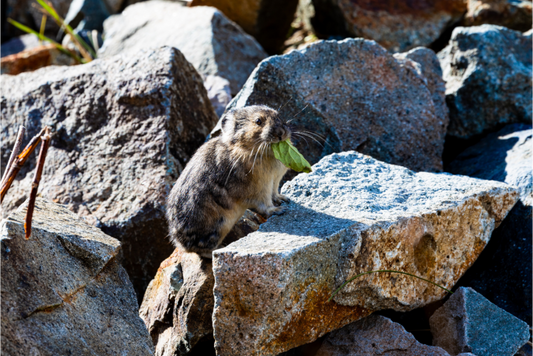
<point>124,128</point>
<point>63,290</point>
<point>219,92</point>
<point>356,96</point>
<point>33,59</point>
<point>487,70</point>
<point>350,215</point>
<point>468,322</point>
<point>213,44</point>
<point>178,303</point>
<point>397,26</point>
<point>268,21</point>
<point>430,70</point>
<point>19,44</point>
<point>525,350</point>
<point>375,335</point>
<point>87,15</point>
<point>512,14</point>
<point>502,272</point>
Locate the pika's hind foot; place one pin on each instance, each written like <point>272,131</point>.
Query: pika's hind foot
<point>276,210</point>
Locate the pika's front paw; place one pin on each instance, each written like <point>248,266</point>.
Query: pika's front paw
<point>280,198</point>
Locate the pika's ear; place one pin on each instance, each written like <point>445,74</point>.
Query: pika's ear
<point>227,123</point>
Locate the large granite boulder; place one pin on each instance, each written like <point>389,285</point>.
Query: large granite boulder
<point>375,335</point>
<point>468,322</point>
<point>513,14</point>
<point>396,25</point>
<point>352,214</point>
<point>354,95</point>
<point>124,128</point>
<point>487,70</point>
<point>64,291</point>
<point>268,21</point>
<point>213,44</point>
<point>502,273</point>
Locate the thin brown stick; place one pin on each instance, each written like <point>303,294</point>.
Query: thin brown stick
<point>15,152</point>
<point>36,180</point>
<point>18,163</point>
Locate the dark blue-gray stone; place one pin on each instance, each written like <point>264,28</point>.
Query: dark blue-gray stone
<point>487,70</point>
<point>468,322</point>
<point>502,273</point>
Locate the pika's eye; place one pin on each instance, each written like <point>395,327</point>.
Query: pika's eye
<point>258,121</point>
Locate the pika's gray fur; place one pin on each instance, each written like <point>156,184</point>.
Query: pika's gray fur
<point>227,175</point>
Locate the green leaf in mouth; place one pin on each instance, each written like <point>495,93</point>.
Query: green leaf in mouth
<point>287,154</point>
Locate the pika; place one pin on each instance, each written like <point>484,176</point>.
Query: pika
<point>227,175</point>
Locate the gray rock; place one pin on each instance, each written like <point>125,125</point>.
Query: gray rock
<point>356,96</point>
<point>19,44</point>
<point>63,290</point>
<point>87,15</point>
<point>431,71</point>
<point>502,272</point>
<point>468,322</point>
<point>375,335</point>
<point>352,214</point>
<point>397,26</point>
<point>487,70</point>
<point>213,44</point>
<point>525,350</point>
<point>219,92</point>
<point>124,128</point>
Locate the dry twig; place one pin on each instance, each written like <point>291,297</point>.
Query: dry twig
<point>18,163</point>
<point>15,152</point>
<point>35,185</point>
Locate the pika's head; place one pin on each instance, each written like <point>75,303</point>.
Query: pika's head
<point>254,125</point>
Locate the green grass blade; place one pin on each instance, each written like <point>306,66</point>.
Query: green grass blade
<point>386,271</point>
<point>69,29</point>
<point>44,38</point>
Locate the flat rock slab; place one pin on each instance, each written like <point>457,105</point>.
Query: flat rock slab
<point>63,291</point>
<point>352,214</point>
<point>468,322</point>
<point>372,336</point>
<point>502,273</point>
<point>354,95</point>
<point>124,128</point>
<point>396,25</point>
<point>213,44</point>
<point>487,70</point>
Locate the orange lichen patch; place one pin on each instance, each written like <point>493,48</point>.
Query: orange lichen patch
<point>71,297</point>
<point>415,7</point>
<point>318,317</point>
<point>28,60</point>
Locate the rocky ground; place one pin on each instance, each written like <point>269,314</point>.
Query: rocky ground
<point>418,120</point>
